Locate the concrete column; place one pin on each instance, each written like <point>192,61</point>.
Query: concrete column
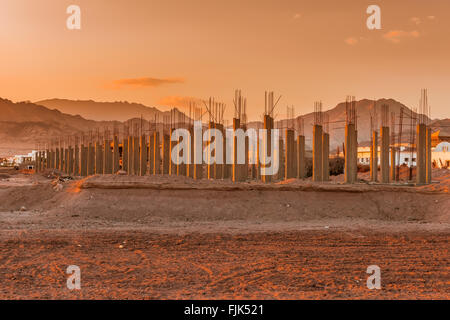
<point>267,145</point>
<point>350,150</point>
<point>76,165</point>
<point>355,153</point>
<point>325,157</point>
<point>83,161</point>
<point>198,163</point>
<point>136,155</point>
<point>429,158</point>
<point>91,159</point>
<point>393,166</point>
<point>421,143</point>
<point>172,166</point>
<point>244,172</point>
<point>280,156</point>
<point>301,168</point>
<point>258,162</point>
<point>317,153</point>
<point>57,162</point>
<point>98,158</point>
<point>125,154</point>
<point>70,169</point>
<point>47,159</point>
<point>130,161</point>
<point>384,154</point>
<point>143,155</point>
<point>61,159</point>
<point>190,166</point>
<point>151,152</point>
<point>180,167</point>
<point>107,161</point>
<point>105,157</point>
<point>236,168</point>
<point>219,168</point>
<point>374,157</point>
<point>37,162</point>
<point>166,162</point>
<point>156,150</point>
<point>210,166</point>
<point>115,155</point>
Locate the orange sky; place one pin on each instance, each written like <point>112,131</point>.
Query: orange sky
<point>158,52</point>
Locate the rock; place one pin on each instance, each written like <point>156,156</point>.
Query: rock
<point>121,173</point>
<point>23,209</point>
<point>58,187</point>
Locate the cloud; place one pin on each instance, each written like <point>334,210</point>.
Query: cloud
<point>416,20</point>
<point>297,16</point>
<point>351,41</point>
<point>147,82</point>
<point>395,36</point>
<point>431,17</point>
<point>180,101</point>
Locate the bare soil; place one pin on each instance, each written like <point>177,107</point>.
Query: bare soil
<point>161,237</point>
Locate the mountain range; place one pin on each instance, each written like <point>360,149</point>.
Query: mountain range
<point>23,124</point>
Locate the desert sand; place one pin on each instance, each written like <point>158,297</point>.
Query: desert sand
<point>164,237</point>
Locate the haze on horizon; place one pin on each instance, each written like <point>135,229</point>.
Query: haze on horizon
<point>162,53</point>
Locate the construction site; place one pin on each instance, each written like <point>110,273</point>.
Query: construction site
<point>224,224</point>
<point>224,150</point>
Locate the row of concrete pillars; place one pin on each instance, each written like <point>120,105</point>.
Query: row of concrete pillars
<point>321,154</point>
<point>388,154</point>
<point>152,155</point>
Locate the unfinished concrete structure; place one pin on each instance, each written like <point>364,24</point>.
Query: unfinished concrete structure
<point>428,157</point>
<point>156,151</point>
<point>384,144</point>
<point>125,148</point>
<point>326,149</point>
<point>238,169</point>
<point>143,155</point>
<point>300,149</point>
<point>351,142</point>
<point>421,134</point>
<point>317,143</point>
<point>269,107</point>
<point>290,146</point>
<point>289,171</point>
<point>115,153</point>
<point>423,142</point>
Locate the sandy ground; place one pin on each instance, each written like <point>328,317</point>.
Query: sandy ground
<point>175,238</point>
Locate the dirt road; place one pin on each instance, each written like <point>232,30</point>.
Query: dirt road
<point>203,243</point>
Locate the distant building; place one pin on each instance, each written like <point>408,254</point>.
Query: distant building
<point>440,155</point>
<point>22,159</point>
<point>406,156</point>
<point>439,136</point>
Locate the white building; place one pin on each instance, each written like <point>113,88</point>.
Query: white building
<point>440,156</point>
<point>406,157</point>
